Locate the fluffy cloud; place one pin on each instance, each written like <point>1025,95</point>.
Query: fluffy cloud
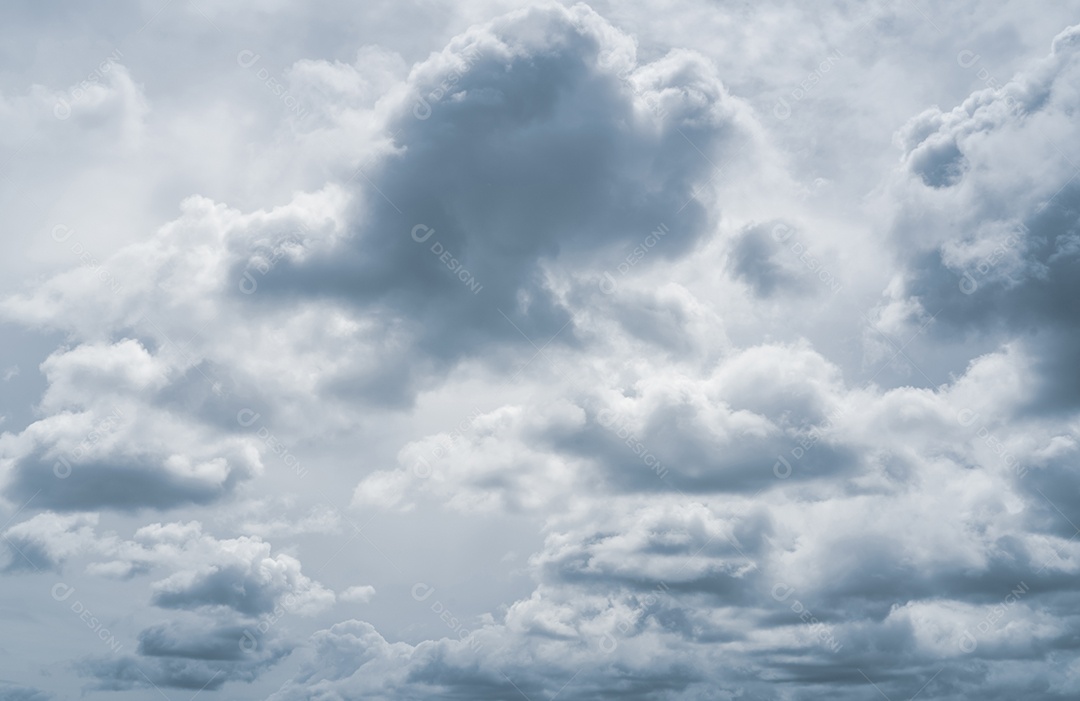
<point>985,215</point>
<point>739,428</point>
<point>244,578</point>
<point>732,483</point>
<point>458,225</point>
<point>230,594</point>
<point>46,540</point>
<point>666,598</point>
<point>360,594</point>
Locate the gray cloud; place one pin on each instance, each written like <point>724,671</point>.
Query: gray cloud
<point>223,643</point>
<point>757,258</point>
<point>200,661</point>
<point>999,255</point>
<point>620,464</point>
<point>515,169</point>
<point>125,483</point>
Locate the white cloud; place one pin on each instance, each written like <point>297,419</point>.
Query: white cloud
<point>360,594</point>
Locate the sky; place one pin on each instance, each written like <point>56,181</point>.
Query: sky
<point>415,350</point>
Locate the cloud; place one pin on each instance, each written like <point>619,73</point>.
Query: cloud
<point>46,540</point>
<point>757,259</point>
<point>644,597</point>
<point>160,327</point>
<point>206,573</point>
<point>170,657</point>
<point>598,248</point>
<point>171,640</point>
<point>500,460</point>
<point>360,594</point>
<point>927,549</point>
<point>759,417</point>
<point>230,596</point>
<point>105,444</point>
<point>995,247</point>
<point>245,578</point>
<point>510,167</point>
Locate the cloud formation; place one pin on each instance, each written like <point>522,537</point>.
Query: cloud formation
<point>559,356</point>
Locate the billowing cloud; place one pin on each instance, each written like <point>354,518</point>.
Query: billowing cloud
<point>46,540</point>
<point>986,216</point>
<point>601,352</point>
<point>503,167</point>
<point>244,578</point>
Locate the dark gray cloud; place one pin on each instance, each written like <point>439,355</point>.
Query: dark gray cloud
<point>538,155</point>
<point>172,657</point>
<point>231,586</point>
<point>224,643</point>
<point>124,483</point>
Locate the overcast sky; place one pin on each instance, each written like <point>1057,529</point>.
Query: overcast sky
<point>407,350</point>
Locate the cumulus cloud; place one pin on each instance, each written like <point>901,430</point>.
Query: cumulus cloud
<point>191,660</point>
<point>747,453</point>
<point>759,417</point>
<point>244,578</point>
<point>651,597</point>
<point>46,540</point>
<point>161,339</point>
<point>230,596</point>
<point>458,227</point>
<point>994,254</point>
<point>360,594</point>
